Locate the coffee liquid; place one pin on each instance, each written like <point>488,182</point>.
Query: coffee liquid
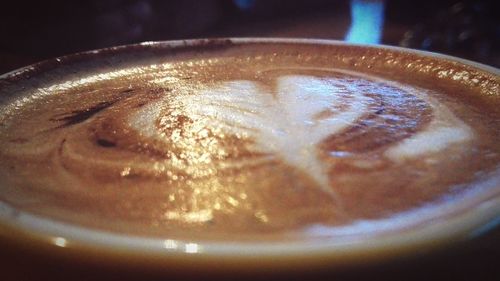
<point>254,141</point>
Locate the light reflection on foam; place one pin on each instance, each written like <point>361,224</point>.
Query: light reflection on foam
<point>283,123</point>
<point>105,76</point>
<point>198,147</point>
<point>170,244</point>
<point>190,217</point>
<point>59,241</point>
<point>198,209</point>
<point>192,248</point>
<point>85,80</point>
<point>93,79</point>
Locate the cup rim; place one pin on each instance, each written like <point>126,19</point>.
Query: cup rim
<point>483,214</point>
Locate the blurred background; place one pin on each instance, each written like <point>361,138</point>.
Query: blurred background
<point>35,30</point>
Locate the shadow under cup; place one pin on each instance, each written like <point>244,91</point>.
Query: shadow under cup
<point>261,206</point>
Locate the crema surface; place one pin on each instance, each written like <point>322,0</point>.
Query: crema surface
<point>247,141</point>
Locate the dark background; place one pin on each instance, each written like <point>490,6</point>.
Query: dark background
<point>32,31</point>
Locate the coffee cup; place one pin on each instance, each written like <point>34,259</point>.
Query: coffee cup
<point>247,155</point>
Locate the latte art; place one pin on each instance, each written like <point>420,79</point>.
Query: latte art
<point>290,119</point>
<point>259,145</point>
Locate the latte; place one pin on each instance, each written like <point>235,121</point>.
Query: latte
<point>234,142</point>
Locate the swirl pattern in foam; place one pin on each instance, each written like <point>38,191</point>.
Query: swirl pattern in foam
<point>292,121</point>
<point>231,142</point>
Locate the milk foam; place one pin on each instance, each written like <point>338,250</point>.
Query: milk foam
<point>254,143</point>
<point>444,130</point>
<point>292,119</point>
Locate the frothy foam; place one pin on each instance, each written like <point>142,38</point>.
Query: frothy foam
<point>290,120</point>
<point>254,142</point>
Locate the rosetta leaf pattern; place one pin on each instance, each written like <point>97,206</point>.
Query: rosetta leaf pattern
<point>288,122</point>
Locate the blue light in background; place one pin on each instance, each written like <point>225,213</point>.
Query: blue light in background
<point>367,20</point>
<point>244,4</point>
